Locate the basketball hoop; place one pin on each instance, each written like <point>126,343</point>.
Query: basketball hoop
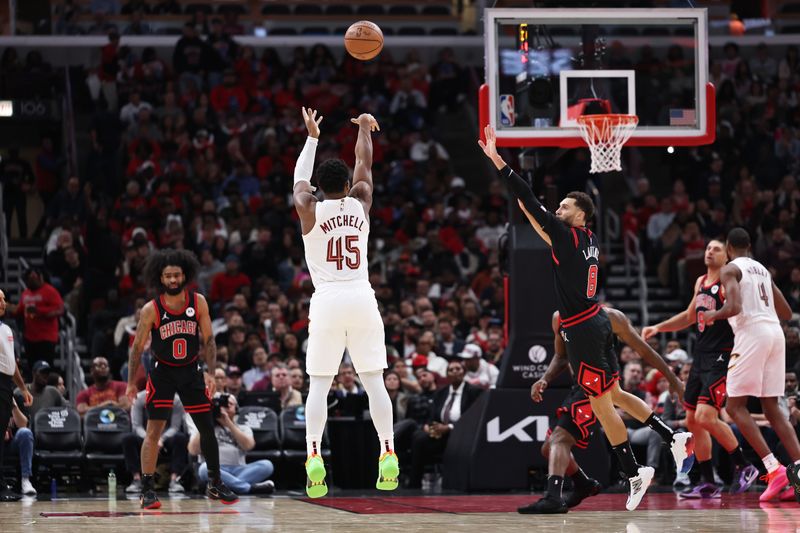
<point>605,135</point>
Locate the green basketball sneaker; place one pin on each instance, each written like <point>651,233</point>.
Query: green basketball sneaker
<point>315,470</point>
<point>388,470</point>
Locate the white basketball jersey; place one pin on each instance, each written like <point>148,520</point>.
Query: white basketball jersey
<point>758,304</point>
<point>336,248</point>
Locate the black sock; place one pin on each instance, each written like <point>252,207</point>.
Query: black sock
<point>147,481</point>
<point>738,457</point>
<point>554,486</point>
<point>706,471</point>
<point>627,461</point>
<point>580,479</point>
<point>208,443</point>
<point>658,425</point>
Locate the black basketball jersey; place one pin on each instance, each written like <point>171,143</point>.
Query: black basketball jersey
<point>176,335</point>
<point>719,336</point>
<point>576,265</point>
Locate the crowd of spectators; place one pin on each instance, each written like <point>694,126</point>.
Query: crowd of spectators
<point>198,153</point>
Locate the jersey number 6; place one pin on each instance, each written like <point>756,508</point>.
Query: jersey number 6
<point>591,282</point>
<point>335,252</point>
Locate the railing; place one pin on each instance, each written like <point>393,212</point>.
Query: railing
<point>612,228</point>
<point>635,259</point>
<point>68,112</point>
<point>3,238</point>
<point>67,341</point>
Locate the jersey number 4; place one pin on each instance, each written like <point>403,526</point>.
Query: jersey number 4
<point>762,293</point>
<point>591,282</point>
<point>335,255</point>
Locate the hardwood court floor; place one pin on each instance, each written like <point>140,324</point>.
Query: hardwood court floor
<point>660,513</point>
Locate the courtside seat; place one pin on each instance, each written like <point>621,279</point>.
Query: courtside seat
<point>57,439</point>
<point>266,432</point>
<point>103,430</point>
<point>293,435</point>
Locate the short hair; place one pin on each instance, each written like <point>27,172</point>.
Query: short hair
<point>161,259</point>
<point>584,203</point>
<point>739,239</point>
<point>332,176</point>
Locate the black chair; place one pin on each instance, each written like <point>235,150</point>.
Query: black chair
<point>444,31</point>
<point>275,9</point>
<point>264,423</point>
<point>315,30</point>
<point>339,9</point>
<point>411,30</point>
<point>293,444</point>
<point>308,9</point>
<point>57,439</point>
<point>402,10</point>
<point>191,9</point>
<point>103,430</point>
<point>436,10</point>
<point>239,9</point>
<point>282,31</point>
<point>370,9</point>
<point>791,8</point>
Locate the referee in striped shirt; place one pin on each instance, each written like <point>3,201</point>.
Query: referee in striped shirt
<point>9,375</point>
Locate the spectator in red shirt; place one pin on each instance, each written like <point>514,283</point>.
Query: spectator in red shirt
<point>104,391</point>
<point>225,284</point>
<point>229,96</point>
<point>40,305</point>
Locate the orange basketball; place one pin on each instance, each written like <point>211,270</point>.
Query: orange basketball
<point>736,27</point>
<point>363,40</point>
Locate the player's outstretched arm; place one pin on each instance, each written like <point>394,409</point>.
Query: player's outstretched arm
<point>362,173</point>
<point>303,170</point>
<point>678,322</point>
<point>623,329</point>
<point>541,219</point>
<point>557,365</point>
<point>730,275</point>
<point>147,318</point>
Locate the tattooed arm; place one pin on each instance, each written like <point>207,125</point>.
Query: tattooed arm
<point>146,319</point>
<point>208,345</point>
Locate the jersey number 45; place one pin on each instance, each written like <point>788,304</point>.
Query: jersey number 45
<point>335,255</point>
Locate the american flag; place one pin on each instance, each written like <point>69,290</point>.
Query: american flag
<point>682,117</point>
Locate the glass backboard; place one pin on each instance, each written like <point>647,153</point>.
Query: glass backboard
<point>546,67</point>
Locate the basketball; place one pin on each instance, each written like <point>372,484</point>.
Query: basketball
<point>363,40</point>
<point>736,27</point>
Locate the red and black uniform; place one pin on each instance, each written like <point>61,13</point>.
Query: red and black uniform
<point>576,416</point>
<point>176,348</point>
<point>706,383</point>
<point>585,327</point>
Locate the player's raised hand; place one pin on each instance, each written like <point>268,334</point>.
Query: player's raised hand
<point>489,146</point>
<point>537,389</point>
<point>649,331</point>
<point>312,122</point>
<point>365,120</point>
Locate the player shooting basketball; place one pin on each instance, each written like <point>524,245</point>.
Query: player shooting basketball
<point>585,326</point>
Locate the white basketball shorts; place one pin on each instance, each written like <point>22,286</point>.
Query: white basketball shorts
<point>758,361</point>
<point>343,316</point>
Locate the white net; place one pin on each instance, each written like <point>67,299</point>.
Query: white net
<point>605,135</point>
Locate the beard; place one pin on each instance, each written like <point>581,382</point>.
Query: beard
<point>176,291</point>
<point>101,380</point>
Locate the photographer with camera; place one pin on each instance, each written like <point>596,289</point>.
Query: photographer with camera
<point>235,441</point>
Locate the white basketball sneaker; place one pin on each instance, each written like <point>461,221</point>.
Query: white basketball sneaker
<point>639,485</point>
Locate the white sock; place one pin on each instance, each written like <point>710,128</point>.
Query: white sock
<point>380,408</point>
<point>797,462</point>
<point>770,463</point>
<point>316,411</point>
